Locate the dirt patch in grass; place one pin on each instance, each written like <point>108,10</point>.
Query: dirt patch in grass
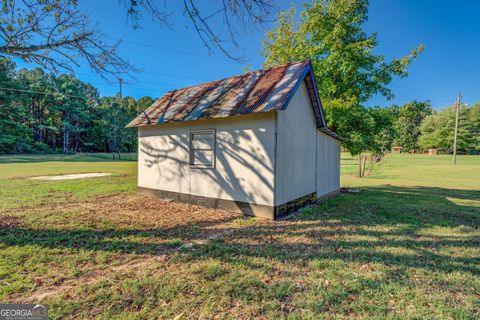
<point>147,213</point>
<point>73,176</point>
<point>9,222</point>
<point>131,211</point>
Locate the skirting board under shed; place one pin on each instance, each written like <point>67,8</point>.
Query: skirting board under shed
<point>249,209</point>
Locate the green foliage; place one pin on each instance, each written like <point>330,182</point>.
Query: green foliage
<point>330,33</point>
<point>40,112</point>
<point>343,117</point>
<point>348,73</point>
<point>474,127</point>
<point>384,132</point>
<point>407,123</point>
<point>14,131</point>
<point>437,130</point>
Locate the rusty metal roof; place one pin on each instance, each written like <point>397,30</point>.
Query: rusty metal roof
<point>253,92</point>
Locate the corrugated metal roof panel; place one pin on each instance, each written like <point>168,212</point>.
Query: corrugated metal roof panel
<point>253,92</point>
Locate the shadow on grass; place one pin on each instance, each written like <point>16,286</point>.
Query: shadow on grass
<point>415,206</point>
<point>379,225</point>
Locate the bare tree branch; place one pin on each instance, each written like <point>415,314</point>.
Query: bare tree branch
<point>55,34</point>
<point>232,14</point>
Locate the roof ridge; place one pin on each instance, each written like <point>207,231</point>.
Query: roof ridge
<point>241,75</point>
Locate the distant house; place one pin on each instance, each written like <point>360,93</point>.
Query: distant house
<point>256,143</point>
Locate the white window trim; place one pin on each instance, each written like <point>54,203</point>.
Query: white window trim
<point>214,152</point>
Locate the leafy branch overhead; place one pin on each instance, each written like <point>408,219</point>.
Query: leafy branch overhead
<point>59,35</point>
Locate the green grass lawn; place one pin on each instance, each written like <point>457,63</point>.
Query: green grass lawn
<point>16,191</point>
<point>407,246</point>
<point>348,164</point>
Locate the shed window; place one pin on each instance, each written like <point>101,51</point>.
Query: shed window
<point>202,148</point>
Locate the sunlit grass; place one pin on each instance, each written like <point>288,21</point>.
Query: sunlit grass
<point>407,246</point>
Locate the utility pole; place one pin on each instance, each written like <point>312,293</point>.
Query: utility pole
<point>457,107</point>
<point>120,83</point>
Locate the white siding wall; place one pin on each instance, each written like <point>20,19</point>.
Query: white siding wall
<point>307,159</point>
<point>245,147</point>
<point>296,145</point>
<point>328,164</point>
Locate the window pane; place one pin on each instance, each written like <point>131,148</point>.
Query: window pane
<point>202,158</point>
<point>202,146</point>
<point>202,141</point>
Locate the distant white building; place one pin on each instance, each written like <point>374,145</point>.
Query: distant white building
<point>256,143</point>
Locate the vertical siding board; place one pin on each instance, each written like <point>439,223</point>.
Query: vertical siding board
<point>328,166</point>
<point>296,149</point>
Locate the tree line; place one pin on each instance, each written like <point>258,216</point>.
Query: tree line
<point>417,127</point>
<point>43,112</point>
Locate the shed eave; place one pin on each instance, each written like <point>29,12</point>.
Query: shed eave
<point>132,125</point>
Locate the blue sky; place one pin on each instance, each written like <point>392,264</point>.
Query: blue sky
<point>174,58</point>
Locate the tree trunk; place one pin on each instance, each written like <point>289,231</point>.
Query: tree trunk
<point>360,166</point>
<point>65,141</point>
<point>364,165</point>
<point>54,140</point>
<point>37,117</point>
<point>77,141</point>
<point>33,111</point>
<point>41,132</point>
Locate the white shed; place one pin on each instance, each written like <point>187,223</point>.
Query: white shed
<point>256,143</point>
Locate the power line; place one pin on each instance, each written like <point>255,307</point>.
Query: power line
<point>168,86</point>
<point>53,93</point>
<point>127,84</point>
<point>156,73</point>
<point>39,92</point>
<point>149,45</point>
<point>175,75</point>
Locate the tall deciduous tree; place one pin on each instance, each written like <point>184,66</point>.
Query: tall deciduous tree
<point>348,72</point>
<point>383,130</point>
<point>407,123</point>
<point>437,130</point>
